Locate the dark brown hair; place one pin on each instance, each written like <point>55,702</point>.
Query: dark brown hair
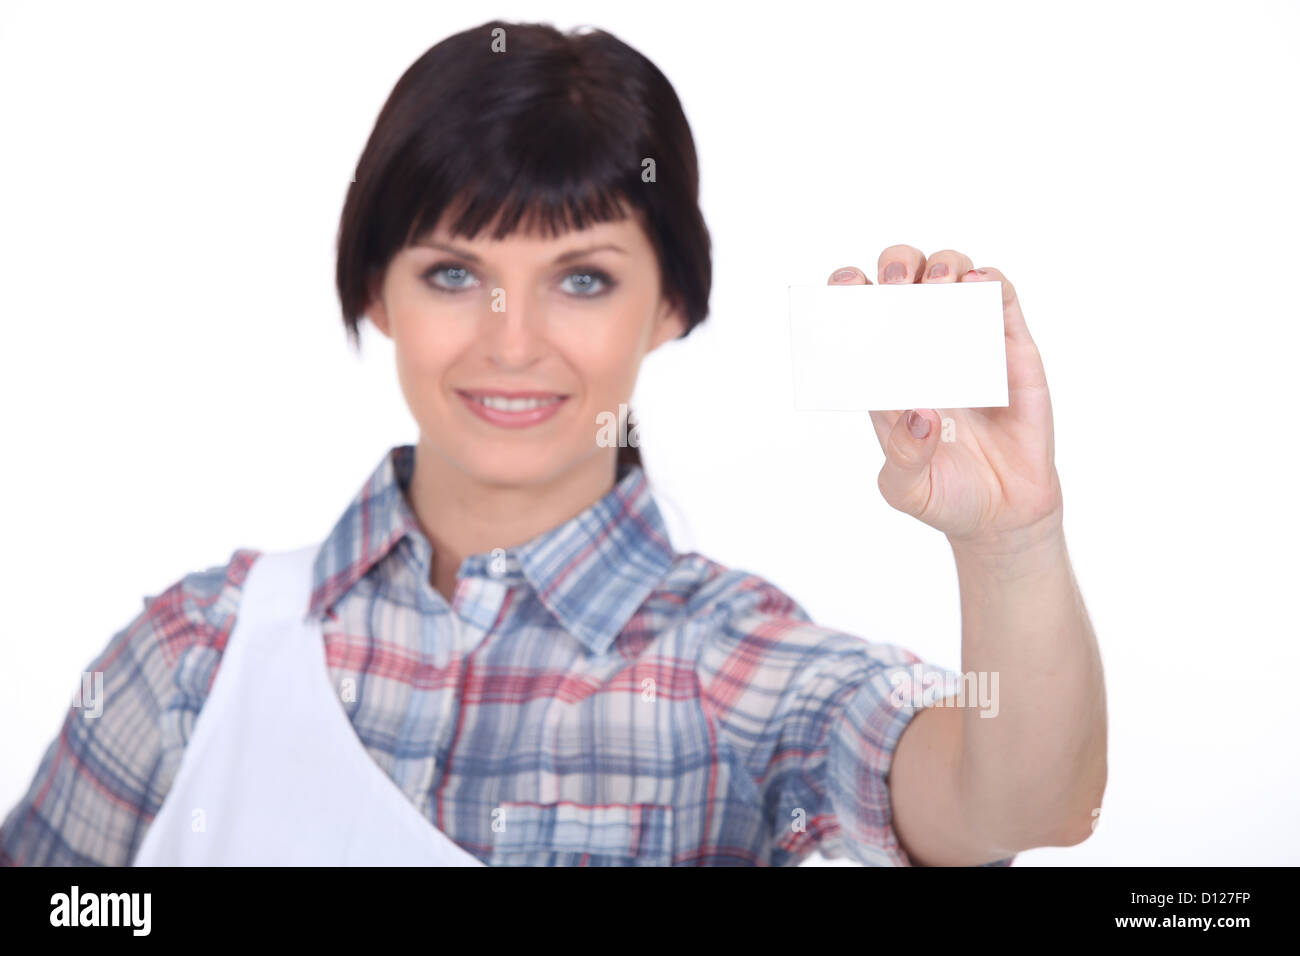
<point>541,128</point>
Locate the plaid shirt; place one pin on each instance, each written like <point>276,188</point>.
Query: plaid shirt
<point>598,699</point>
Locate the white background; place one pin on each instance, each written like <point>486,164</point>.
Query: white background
<point>176,382</point>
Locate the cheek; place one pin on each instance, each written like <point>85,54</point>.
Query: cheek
<point>608,358</point>
<point>421,359</point>
<point>425,348</point>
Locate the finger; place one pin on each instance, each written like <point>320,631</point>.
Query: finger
<point>883,422</point>
<point>849,275</point>
<point>900,264</point>
<point>1013,319</point>
<point>946,266</point>
<point>905,477</point>
<point>1024,365</point>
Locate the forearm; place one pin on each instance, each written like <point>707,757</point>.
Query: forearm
<point>1031,771</point>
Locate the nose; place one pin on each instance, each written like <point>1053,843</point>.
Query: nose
<point>514,328</point>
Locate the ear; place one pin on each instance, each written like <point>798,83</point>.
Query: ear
<point>669,324</point>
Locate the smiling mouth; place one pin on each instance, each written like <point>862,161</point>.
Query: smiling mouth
<point>512,401</point>
<point>507,409</point>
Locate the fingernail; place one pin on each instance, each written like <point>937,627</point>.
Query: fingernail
<point>844,275</point>
<point>938,270</point>
<point>895,271</point>
<point>977,272</point>
<point>918,425</point>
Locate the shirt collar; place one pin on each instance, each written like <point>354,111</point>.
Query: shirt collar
<point>592,572</point>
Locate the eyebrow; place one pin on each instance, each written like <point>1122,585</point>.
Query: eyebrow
<point>563,257</point>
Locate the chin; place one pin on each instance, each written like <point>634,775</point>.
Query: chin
<point>507,463</point>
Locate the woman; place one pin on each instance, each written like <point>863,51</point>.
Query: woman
<point>496,655</point>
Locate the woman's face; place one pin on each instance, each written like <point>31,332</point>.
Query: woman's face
<point>550,331</point>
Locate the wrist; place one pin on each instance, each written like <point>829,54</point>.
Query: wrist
<point>1015,552</point>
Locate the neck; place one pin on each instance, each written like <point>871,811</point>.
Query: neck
<point>462,515</point>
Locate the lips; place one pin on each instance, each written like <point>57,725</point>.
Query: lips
<point>512,409</point>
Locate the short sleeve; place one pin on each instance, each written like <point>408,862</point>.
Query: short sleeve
<point>102,778</point>
<point>838,726</point>
<point>814,716</point>
<point>861,741</point>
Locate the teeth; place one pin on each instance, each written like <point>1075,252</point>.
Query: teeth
<point>513,404</point>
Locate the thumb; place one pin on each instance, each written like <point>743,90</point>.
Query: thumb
<point>905,478</point>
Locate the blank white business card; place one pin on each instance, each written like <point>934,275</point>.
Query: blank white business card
<point>883,347</point>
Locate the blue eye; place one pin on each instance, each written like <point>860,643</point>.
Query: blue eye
<point>587,283</point>
<point>590,279</point>
<point>457,276</point>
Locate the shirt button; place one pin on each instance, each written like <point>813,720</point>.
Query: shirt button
<point>497,562</point>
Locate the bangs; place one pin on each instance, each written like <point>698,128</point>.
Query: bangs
<point>541,182</point>
<point>533,208</point>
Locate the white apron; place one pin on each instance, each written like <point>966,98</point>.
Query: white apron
<point>274,773</point>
